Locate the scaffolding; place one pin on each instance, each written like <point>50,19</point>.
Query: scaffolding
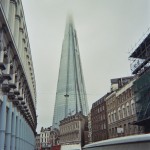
<point>140,58</point>
<point>141,89</point>
<point>140,66</point>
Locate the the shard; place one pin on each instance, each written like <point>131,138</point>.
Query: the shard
<point>71,95</point>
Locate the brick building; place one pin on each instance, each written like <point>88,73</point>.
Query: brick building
<point>99,120</point>
<point>89,128</point>
<point>121,112</point>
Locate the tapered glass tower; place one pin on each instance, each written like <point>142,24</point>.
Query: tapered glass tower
<point>71,95</point>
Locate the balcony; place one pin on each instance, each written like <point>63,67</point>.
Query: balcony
<point>2,66</point>
<point>16,92</point>
<point>11,95</point>
<point>6,76</point>
<point>15,102</point>
<point>20,98</point>
<point>20,107</point>
<point>12,85</point>
<point>23,103</point>
<point>5,87</point>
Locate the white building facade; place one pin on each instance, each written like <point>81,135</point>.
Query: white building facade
<point>45,138</point>
<point>17,81</point>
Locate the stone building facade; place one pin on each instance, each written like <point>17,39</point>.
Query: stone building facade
<point>89,128</point>
<point>45,142</point>
<point>38,145</point>
<point>18,119</point>
<point>72,129</point>
<point>121,112</point>
<point>99,120</point>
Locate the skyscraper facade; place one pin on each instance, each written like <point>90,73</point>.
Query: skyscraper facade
<point>17,82</point>
<point>71,95</point>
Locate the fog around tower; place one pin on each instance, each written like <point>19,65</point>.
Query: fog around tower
<point>106,30</point>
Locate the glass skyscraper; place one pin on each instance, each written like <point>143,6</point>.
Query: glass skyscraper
<point>71,95</point>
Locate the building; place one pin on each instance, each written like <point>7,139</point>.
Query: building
<point>18,119</point>
<point>89,128</point>
<point>45,142</point>
<point>140,66</point>
<point>72,130</point>
<point>38,145</point>
<point>121,112</point>
<point>99,120</point>
<point>117,83</point>
<point>70,96</point>
<point>54,138</point>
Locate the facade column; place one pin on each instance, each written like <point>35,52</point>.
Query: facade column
<point>1,56</point>
<point>1,46</point>
<point>30,138</point>
<point>5,4</point>
<point>3,122</point>
<point>25,135</point>
<point>20,41</point>
<point>21,136</point>
<point>26,131</point>
<point>16,30</point>
<point>11,18</point>
<point>23,50</point>
<point>8,127</point>
<point>17,132</point>
<point>13,130</point>
<point>17,85</point>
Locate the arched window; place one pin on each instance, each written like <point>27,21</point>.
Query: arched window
<point>123,111</point>
<point>112,117</point>
<point>132,107</point>
<point>109,118</point>
<point>115,116</point>
<point>127,108</point>
<point>119,113</point>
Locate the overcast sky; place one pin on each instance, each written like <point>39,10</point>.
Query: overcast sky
<point>106,29</point>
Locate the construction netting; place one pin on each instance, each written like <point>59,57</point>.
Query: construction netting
<point>141,89</point>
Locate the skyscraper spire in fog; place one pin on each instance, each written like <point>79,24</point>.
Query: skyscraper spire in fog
<point>71,95</point>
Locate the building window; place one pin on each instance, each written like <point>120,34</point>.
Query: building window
<point>125,129</point>
<point>119,113</point>
<point>109,118</point>
<point>103,116</point>
<point>104,126</point>
<point>103,107</point>
<point>127,106</point>
<point>115,116</point>
<point>132,107</point>
<point>112,117</point>
<point>112,131</point>
<point>123,111</point>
